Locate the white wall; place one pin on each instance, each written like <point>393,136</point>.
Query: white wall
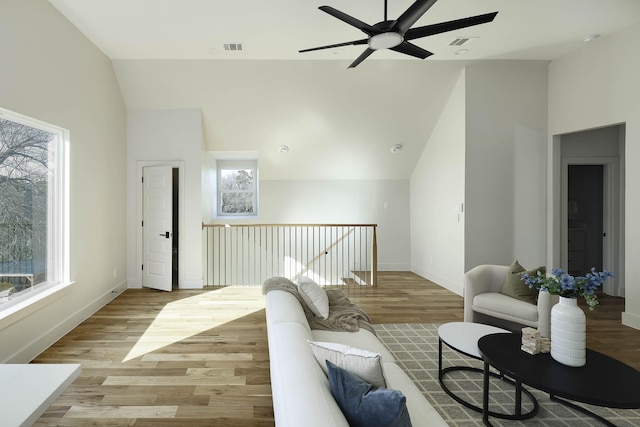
<point>53,73</point>
<point>437,184</point>
<point>339,123</point>
<point>594,87</point>
<point>345,202</point>
<point>172,137</point>
<point>487,153</point>
<point>339,126</point>
<point>506,128</point>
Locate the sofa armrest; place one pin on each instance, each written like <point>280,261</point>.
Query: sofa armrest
<point>481,279</point>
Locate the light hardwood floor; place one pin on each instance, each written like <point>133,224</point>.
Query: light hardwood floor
<point>200,357</point>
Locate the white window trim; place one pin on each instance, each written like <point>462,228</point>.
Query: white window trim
<point>58,271</point>
<point>223,164</point>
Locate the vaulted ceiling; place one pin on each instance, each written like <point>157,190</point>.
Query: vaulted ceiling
<point>338,122</point>
<point>277,29</point>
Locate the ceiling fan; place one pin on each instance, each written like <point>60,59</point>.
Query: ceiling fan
<point>395,35</point>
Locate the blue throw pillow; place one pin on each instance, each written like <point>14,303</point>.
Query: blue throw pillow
<point>363,405</point>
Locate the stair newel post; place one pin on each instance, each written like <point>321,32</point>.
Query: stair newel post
<point>374,257</point>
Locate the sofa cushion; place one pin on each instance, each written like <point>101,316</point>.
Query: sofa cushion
<point>363,363</point>
<point>363,339</point>
<point>505,307</point>
<point>314,296</point>
<point>364,405</point>
<point>513,285</point>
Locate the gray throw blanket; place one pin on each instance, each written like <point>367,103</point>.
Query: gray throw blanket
<point>343,314</point>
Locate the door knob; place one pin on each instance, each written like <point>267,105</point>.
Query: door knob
<point>166,234</point>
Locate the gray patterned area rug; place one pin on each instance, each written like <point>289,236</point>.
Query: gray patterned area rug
<point>415,347</point>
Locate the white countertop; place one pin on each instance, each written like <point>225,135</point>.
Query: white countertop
<point>27,390</point>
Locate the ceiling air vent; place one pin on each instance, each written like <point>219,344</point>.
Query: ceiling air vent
<point>233,47</point>
<point>462,41</point>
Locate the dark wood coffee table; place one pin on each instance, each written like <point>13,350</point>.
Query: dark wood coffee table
<point>603,381</point>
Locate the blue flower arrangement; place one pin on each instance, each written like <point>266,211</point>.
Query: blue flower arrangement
<point>565,285</point>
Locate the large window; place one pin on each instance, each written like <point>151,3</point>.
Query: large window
<point>237,188</point>
<point>32,207</point>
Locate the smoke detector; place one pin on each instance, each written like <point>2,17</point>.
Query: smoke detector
<point>396,148</point>
<point>590,37</point>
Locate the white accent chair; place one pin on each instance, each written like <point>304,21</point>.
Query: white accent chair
<point>483,302</point>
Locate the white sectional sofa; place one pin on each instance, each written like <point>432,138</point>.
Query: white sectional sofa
<point>301,390</point>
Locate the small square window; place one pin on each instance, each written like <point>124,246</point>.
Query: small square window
<point>237,188</point>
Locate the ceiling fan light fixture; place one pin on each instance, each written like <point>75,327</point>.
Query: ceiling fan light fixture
<point>385,40</point>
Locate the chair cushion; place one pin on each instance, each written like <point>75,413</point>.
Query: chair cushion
<point>513,285</point>
<point>505,307</point>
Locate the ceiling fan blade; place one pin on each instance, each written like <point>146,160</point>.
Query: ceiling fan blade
<point>368,29</point>
<point>411,49</point>
<point>411,15</point>
<point>330,46</point>
<point>443,27</point>
<point>361,58</point>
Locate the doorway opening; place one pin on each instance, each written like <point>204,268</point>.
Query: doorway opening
<point>174,226</point>
<point>585,218</point>
<point>590,193</point>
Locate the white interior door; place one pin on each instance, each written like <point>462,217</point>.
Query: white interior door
<point>157,227</point>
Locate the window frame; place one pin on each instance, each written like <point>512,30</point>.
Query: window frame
<point>239,164</point>
<point>58,254</point>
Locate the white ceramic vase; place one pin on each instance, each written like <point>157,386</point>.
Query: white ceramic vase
<point>568,333</point>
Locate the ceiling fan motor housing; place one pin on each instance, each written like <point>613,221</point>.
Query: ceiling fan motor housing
<point>385,40</point>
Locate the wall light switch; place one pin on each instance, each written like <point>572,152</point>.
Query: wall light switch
<point>456,208</point>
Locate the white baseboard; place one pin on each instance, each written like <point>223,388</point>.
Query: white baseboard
<point>456,288</point>
<point>52,334</point>
<point>393,267</point>
<point>184,284</point>
<point>133,284</point>
<point>191,284</point>
<point>630,319</point>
